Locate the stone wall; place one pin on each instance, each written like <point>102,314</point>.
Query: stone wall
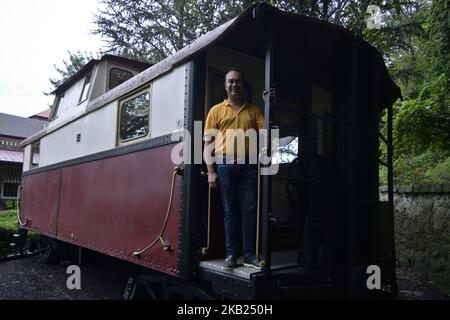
<point>429,202</point>
<point>422,230</point>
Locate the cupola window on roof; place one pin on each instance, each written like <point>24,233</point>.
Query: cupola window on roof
<point>58,104</point>
<point>117,76</point>
<point>86,86</point>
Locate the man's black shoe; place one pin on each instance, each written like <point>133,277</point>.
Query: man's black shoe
<point>230,262</point>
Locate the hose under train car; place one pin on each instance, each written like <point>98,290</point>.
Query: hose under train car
<point>176,170</point>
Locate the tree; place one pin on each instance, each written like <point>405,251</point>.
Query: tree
<point>421,121</point>
<point>153,29</point>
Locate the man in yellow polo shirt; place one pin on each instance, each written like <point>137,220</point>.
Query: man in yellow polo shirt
<point>236,176</point>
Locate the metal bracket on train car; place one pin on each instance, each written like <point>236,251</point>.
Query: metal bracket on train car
<point>178,170</point>
<point>166,245</point>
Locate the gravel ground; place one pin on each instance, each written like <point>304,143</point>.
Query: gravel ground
<point>105,278</point>
<point>32,279</point>
<point>414,286</point>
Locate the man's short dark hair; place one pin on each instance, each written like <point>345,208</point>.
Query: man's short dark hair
<point>237,70</point>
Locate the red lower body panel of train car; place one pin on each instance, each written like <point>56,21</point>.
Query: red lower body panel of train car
<point>116,205</point>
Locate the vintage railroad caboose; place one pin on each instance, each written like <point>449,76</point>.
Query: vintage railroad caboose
<point>100,176</point>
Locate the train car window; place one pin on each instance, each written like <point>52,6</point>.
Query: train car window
<point>57,107</point>
<point>134,117</point>
<point>117,76</point>
<point>86,86</point>
<point>34,155</point>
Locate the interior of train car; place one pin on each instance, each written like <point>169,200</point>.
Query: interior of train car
<point>306,87</point>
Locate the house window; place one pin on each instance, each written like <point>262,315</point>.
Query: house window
<point>117,76</point>
<point>59,101</point>
<point>10,189</point>
<point>34,160</point>
<point>134,117</point>
<point>11,180</point>
<point>86,86</point>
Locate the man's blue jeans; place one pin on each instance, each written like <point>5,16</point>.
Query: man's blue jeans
<point>238,188</point>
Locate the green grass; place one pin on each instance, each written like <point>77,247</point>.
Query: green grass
<point>8,226</point>
<point>8,219</point>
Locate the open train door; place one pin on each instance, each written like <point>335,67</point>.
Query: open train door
<point>298,187</point>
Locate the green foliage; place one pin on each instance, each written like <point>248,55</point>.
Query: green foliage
<point>438,46</point>
<point>420,125</point>
<point>8,226</point>
<point>421,134</point>
<point>440,172</point>
<point>10,204</point>
<point>71,65</point>
<point>153,29</point>
<point>426,168</point>
<point>8,219</point>
<point>409,71</point>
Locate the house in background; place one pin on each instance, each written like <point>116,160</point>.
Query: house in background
<point>44,115</point>
<point>14,129</point>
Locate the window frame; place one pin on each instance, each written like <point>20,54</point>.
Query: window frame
<point>31,155</point>
<point>121,102</point>
<point>86,78</point>
<point>109,76</point>
<point>55,111</point>
<point>3,190</point>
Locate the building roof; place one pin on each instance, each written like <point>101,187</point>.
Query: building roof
<point>43,115</point>
<point>11,156</point>
<point>19,127</point>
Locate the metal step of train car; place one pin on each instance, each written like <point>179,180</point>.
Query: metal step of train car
<point>119,168</point>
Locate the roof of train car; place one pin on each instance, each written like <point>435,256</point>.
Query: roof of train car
<point>88,67</point>
<point>388,89</point>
